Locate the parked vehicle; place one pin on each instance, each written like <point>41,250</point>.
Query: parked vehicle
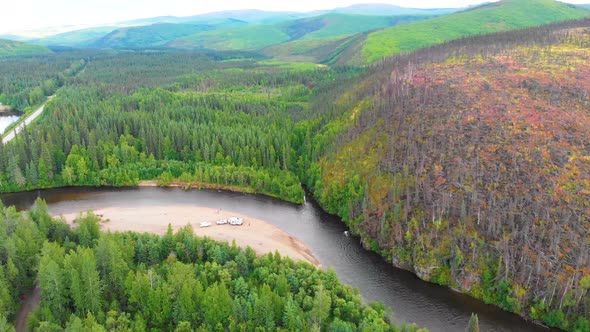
<point>236,221</point>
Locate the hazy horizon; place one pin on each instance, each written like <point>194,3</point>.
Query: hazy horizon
<point>79,14</point>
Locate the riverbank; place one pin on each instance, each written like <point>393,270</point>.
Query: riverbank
<point>261,236</point>
<point>199,185</point>
<point>5,109</point>
<point>209,186</point>
<point>437,308</point>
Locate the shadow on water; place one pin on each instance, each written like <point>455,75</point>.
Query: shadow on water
<point>411,299</point>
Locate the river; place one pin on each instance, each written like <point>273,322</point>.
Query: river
<point>6,120</point>
<point>411,299</point>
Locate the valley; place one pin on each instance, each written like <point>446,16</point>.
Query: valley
<point>452,143</point>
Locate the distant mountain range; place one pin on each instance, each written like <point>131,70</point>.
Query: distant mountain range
<point>357,34</point>
<point>154,35</point>
<point>323,27</point>
<point>388,10</point>
<point>164,31</point>
<point>251,16</point>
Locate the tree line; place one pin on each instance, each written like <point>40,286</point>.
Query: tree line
<point>98,281</point>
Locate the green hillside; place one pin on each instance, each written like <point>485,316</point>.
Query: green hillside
<point>320,27</point>
<point>15,48</point>
<point>324,51</point>
<point>339,25</point>
<point>494,17</point>
<point>148,36</point>
<point>336,33</point>
<point>82,37</point>
<point>314,51</point>
<point>247,38</point>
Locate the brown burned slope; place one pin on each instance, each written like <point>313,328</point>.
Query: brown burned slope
<point>470,164</point>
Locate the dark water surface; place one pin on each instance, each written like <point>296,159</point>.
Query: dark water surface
<point>412,300</point>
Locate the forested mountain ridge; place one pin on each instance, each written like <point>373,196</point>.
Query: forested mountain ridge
<point>493,17</point>
<point>150,36</point>
<point>468,164</point>
<point>333,34</point>
<point>318,27</point>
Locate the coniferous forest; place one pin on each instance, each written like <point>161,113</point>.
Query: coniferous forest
<point>465,163</point>
<point>94,281</point>
<point>133,117</point>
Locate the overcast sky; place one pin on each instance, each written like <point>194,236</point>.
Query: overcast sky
<point>20,15</point>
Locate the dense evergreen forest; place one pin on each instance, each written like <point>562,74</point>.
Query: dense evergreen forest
<point>130,117</point>
<point>27,81</point>
<point>93,281</point>
<point>466,163</point>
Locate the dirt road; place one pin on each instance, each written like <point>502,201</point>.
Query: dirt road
<point>31,302</point>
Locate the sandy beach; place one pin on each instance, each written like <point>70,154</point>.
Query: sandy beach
<point>263,237</point>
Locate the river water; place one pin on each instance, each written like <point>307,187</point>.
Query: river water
<point>411,299</point>
<point>5,121</point>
